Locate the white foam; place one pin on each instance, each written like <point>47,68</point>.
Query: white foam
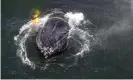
<point>20,40</point>
<point>74,20</point>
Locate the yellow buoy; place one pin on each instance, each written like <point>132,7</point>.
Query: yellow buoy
<point>36,16</point>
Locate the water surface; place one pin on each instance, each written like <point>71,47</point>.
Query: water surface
<point>111,52</point>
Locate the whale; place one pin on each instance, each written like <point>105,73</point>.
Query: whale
<point>52,38</point>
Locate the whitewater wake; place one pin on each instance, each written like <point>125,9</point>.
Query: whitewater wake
<point>75,19</point>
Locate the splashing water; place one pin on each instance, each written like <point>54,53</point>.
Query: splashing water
<point>74,19</point>
<point>20,39</point>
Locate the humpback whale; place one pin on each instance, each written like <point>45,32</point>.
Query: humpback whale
<point>51,39</point>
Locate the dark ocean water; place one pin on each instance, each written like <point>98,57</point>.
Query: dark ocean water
<point>111,54</point>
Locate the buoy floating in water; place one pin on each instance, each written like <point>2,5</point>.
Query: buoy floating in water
<point>36,16</point>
